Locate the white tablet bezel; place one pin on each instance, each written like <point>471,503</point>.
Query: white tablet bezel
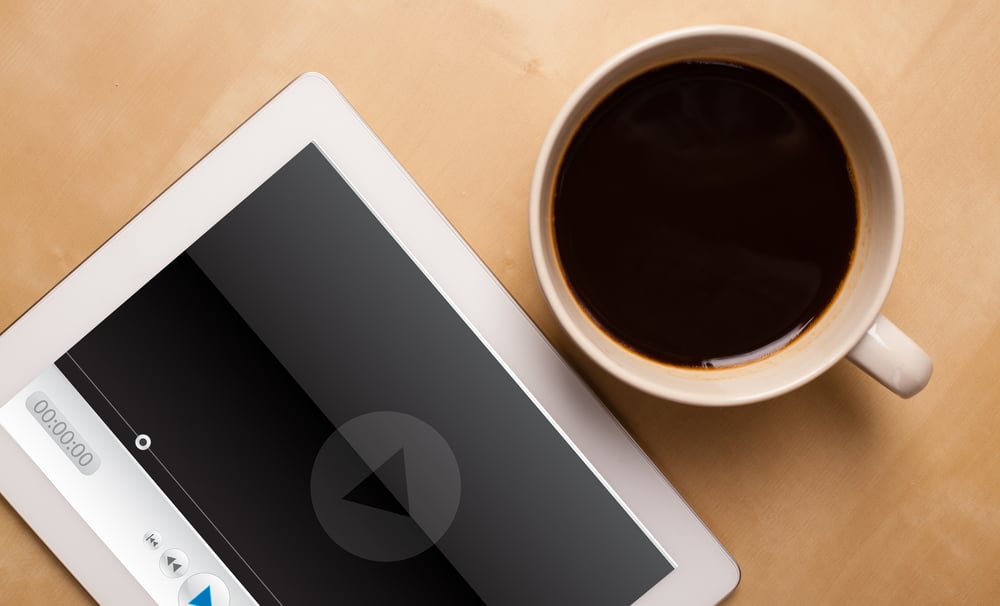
<point>311,110</point>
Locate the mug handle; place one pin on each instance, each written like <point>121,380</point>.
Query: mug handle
<point>892,358</point>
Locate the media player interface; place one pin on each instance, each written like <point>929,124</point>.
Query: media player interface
<point>336,432</point>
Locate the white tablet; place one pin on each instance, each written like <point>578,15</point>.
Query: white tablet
<point>288,381</point>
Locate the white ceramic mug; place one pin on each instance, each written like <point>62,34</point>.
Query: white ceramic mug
<point>852,325</point>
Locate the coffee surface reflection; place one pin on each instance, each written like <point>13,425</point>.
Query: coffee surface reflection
<point>705,214</point>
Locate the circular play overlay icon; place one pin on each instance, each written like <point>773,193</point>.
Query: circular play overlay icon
<point>385,486</point>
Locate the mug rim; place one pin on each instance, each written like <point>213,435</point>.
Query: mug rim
<point>540,202</point>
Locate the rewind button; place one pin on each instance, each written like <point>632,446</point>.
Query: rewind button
<point>173,563</point>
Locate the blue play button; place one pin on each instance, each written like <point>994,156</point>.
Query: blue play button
<point>203,590</point>
<point>204,598</point>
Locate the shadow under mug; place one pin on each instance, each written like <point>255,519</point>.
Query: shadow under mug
<point>852,325</point>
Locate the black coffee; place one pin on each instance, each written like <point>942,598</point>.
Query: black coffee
<point>705,214</point>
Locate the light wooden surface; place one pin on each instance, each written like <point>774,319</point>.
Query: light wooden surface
<point>836,494</point>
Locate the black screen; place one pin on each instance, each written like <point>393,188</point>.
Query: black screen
<point>336,432</point>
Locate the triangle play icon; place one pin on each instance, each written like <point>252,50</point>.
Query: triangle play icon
<point>384,488</point>
<point>202,599</point>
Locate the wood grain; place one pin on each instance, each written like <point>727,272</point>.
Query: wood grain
<point>837,493</point>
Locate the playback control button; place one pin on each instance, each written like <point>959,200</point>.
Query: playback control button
<point>153,539</point>
<point>174,563</point>
<point>203,590</point>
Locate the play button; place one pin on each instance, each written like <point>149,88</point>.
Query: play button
<point>385,486</point>
<point>373,491</point>
<point>203,590</point>
<point>202,599</point>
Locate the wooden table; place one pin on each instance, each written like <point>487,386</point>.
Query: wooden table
<point>839,493</point>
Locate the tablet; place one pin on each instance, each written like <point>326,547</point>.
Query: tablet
<point>289,381</point>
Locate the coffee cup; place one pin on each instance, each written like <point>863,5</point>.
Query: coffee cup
<point>637,345</point>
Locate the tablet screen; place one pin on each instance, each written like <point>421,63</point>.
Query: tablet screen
<point>334,429</point>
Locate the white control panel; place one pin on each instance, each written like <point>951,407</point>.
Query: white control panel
<point>87,464</point>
